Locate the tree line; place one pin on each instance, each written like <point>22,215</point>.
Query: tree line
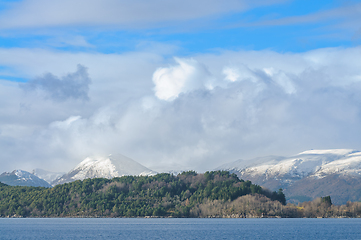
<point>212,194</point>
<point>129,196</point>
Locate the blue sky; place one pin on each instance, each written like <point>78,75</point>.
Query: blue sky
<point>176,84</point>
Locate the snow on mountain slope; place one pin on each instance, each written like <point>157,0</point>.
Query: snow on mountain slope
<point>314,162</point>
<point>349,165</point>
<point>307,175</point>
<point>242,164</point>
<point>104,167</point>
<point>22,178</point>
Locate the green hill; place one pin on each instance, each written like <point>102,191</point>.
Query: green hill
<point>129,196</point>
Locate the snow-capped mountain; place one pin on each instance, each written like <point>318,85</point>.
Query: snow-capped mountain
<point>47,175</point>
<point>298,174</point>
<point>22,178</point>
<point>316,163</point>
<point>104,167</point>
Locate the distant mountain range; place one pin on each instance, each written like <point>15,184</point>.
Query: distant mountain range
<point>303,177</point>
<point>102,167</point>
<point>307,175</point>
<point>22,178</point>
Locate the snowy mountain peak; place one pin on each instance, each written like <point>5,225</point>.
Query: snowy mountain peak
<point>104,167</point>
<point>22,174</point>
<point>22,178</point>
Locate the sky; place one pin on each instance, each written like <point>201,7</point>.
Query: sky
<point>176,85</point>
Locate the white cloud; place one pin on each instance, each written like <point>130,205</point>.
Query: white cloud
<point>231,74</point>
<point>66,124</point>
<point>345,17</point>
<point>238,73</point>
<point>187,76</point>
<point>278,104</point>
<point>281,79</point>
<point>120,14</point>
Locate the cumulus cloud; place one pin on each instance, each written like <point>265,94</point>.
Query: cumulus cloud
<point>281,79</point>
<point>72,86</point>
<point>188,75</point>
<point>238,73</point>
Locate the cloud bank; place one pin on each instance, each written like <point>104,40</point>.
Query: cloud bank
<point>184,113</point>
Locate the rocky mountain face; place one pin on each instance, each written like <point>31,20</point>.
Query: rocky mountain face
<point>104,167</point>
<point>22,178</point>
<point>307,175</point>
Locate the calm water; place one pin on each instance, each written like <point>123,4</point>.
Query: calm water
<point>134,228</point>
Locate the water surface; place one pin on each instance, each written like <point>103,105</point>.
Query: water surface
<point>178,228</point>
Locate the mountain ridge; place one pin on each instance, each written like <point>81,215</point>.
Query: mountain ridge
<point>298,174</point>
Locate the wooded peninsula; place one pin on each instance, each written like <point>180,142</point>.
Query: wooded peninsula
<point>212,194</point>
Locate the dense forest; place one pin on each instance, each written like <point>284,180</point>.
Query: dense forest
<point>212,194</point>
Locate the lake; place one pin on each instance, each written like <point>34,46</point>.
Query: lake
<point>178,228</point>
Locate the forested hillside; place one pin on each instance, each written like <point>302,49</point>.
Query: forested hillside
<point>212,194</point>
<point>130,196</point>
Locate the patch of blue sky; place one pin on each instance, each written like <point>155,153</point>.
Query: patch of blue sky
<point>13,79</point>
<point>51,40</point>
<point>294,38</point>
<point>255,30</point>
<point>114,41</point>
<point>6,4</point>
<point>296,8</point>
<point>246,30</point>
<point>251,30</point>
<point>7,74</point>
<point>16,41</point>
